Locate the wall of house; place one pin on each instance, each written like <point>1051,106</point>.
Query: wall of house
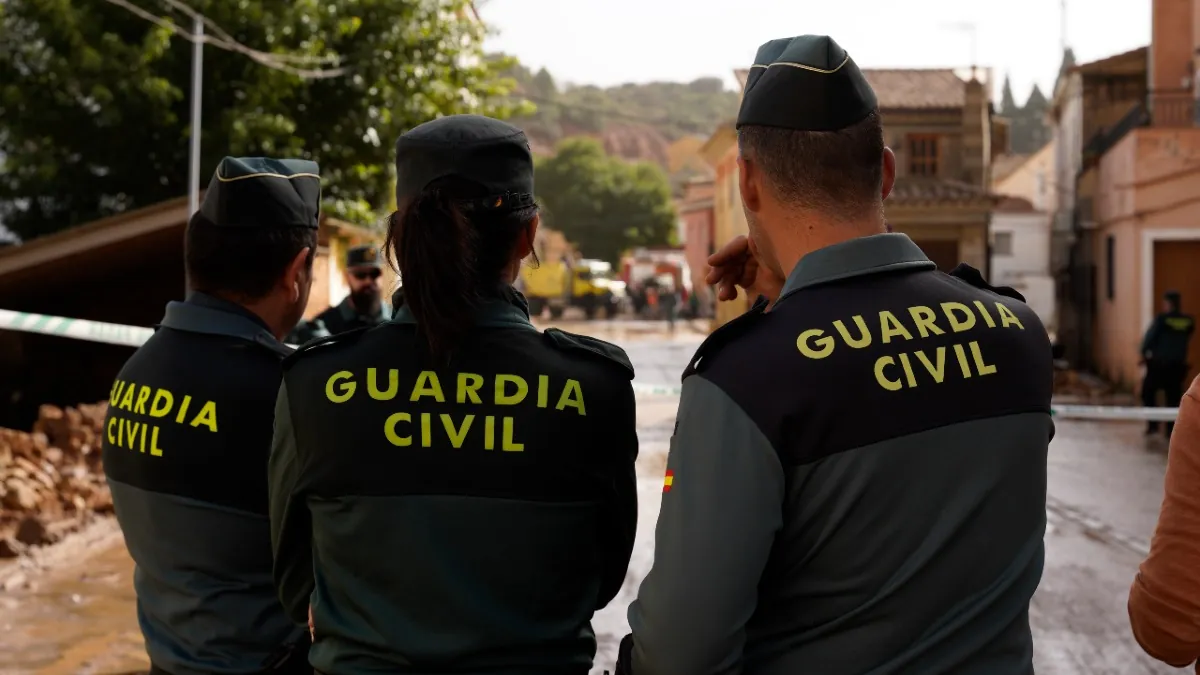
<point>699,244</point>
<point>1033,180</point>
<point>947,125</point>
<point>1025,265</point>
<point>1150,180</point>
<point>729,221</point>
<point>1171,44</point>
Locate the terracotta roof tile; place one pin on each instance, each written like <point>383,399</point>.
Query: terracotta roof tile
<point>910,190</point>
<point>915,88</point>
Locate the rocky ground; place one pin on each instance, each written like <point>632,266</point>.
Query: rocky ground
<point>51,481</point>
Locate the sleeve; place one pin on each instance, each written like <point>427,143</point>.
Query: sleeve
<point>621,510</point>
<point>721,509</point>
<point>1164,602</point>
<point>291,524</point>
<point>1150,340</point>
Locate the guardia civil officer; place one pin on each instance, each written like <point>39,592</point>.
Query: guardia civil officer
<point>460,483</point>
<point>857,481</point>
<point>188,430</point>
<point>363,306</point>
<point>1165,353</point>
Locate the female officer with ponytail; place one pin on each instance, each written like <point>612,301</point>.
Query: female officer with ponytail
<point>453,490</point>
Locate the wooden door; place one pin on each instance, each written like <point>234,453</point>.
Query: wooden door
<point>1177,268</point>
<point>942,252</point>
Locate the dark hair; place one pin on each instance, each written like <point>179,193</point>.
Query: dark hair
<point>835,171</point>
<point>244,262</point>
<point>450,256</point>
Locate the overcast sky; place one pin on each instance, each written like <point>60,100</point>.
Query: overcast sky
<point>608,42</point>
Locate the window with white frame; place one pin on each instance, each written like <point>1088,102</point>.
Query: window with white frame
<point>1002,243</point>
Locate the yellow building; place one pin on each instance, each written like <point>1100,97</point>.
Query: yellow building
<point>729,219</point>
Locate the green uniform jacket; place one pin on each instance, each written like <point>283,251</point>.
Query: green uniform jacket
<point>186,441</point>
<point>334,320</point>
<point>857,480</point>
<point>1168,338</point>
<point>467,518</point>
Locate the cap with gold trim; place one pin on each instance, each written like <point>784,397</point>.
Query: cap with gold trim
<point>363,256</point>
<point>261,192</point>
<point>806,83</point>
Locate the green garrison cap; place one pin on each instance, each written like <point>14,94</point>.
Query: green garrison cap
<point>360,256</point>
<point>806,83</point>
<point>264,192</point>
<point>472,147</point>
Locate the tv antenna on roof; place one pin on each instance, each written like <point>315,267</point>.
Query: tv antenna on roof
<point>972,31</point>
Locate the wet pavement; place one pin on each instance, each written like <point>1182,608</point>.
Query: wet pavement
<point>73,612</point>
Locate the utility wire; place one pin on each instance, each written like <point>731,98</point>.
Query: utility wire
<point>263,58</point>
<point>229,39</point>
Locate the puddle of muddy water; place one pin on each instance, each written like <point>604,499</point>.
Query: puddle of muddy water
<point>79,620</point>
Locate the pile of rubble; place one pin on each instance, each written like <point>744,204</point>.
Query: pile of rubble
<point>51,480</point>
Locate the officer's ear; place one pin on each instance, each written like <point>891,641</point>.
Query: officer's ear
<point>296,279</point>
<point>889,171</point>
<point>525,242</point>
<point>750,183</point>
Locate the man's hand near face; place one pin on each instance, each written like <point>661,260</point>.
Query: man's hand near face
<point>736,264</point>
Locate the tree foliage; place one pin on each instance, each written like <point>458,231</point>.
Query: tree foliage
<point>675,109</point>
<point>94,100</point>
<point>602,204</point>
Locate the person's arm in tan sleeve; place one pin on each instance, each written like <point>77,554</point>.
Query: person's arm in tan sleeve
<point>1164,602</point>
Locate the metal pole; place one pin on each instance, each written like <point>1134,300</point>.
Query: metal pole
<point>197,81</point>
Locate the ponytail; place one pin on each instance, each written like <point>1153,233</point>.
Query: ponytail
<point>451,259</point>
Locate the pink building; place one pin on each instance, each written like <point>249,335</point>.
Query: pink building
<point>695,209</point>
<point>1147,212</point>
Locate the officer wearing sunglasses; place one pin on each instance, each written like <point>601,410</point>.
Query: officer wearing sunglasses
<point>363,307</point>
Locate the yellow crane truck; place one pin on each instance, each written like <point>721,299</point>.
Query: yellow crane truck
<point>586,284</point>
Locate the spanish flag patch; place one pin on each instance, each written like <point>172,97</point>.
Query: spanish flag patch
<point>668,480</point>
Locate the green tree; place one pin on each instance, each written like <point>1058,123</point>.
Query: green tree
<point>602,204</point>
<point>94,109</point>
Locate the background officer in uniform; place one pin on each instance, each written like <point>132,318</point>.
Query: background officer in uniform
<point>857,480</point>
<point>1164,353</point>
<point>461,483</point>
<point>189,426</point>
<point>364,305</point>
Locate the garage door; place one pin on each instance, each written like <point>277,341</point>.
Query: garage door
<point>1176,269</point>
<point>944,253</point>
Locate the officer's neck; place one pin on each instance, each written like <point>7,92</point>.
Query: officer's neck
<point>276,314</point>
<point>810,231</point>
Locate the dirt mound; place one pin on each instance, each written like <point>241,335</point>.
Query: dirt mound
<point>51,480</point>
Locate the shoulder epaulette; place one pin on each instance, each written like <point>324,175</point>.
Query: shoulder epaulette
<point>587,345</point>
<point>973,277</point>
<point>348,337</point>
<point>726,334</point>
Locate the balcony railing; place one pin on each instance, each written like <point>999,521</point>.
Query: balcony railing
<point>1172,108</point>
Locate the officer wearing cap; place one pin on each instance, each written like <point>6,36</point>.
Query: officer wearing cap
<point>362,307</point>
<point>454,490</point>
<point>857,479</point>
<point>188,430</point>
<point>1165,356</point>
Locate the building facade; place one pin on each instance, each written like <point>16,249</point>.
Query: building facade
<point>695,208</point>
<point>1094,104</point>
<point>1147,201</point>
<point>1021,232</point>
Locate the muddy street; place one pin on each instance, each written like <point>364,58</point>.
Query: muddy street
<point>70,609</point>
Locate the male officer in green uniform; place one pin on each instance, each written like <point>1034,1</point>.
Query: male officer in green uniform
<point>364,305</point>
<point>857,480</point>
<point>188,430</point>
<point>1165,354</point>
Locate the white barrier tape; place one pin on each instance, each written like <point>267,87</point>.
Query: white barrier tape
<point>135,336</point>
<point>79,329</point>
